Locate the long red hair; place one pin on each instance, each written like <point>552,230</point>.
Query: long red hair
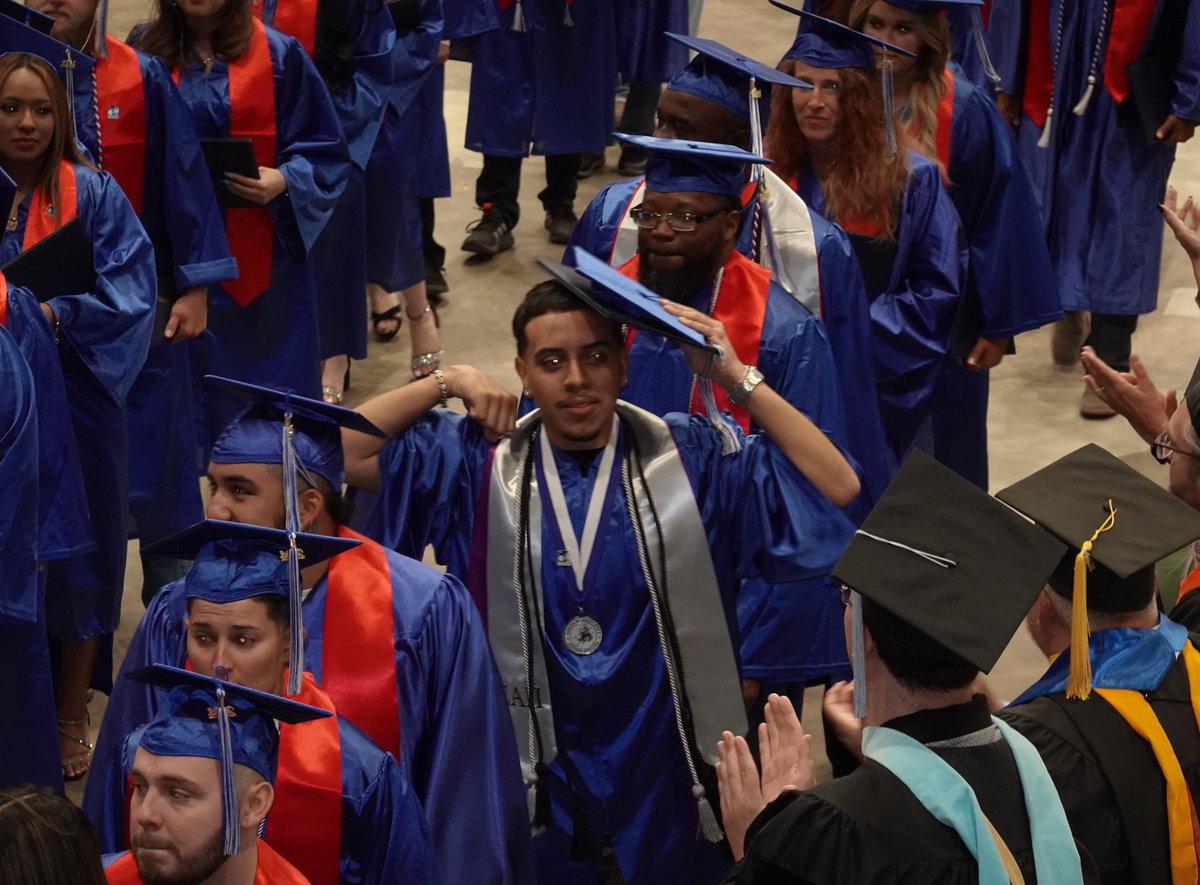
<point>865,183</point>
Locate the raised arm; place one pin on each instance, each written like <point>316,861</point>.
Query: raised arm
<point>801,441</point>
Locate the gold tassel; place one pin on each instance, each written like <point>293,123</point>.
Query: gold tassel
<point>1079,677</point>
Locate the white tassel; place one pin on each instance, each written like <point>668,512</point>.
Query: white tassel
<point>518,19</point>
<point>531,798</point>
<point>709,828</point>
<point>858,666</point>
<point>567,20</point>
<point>889,110</point>
<point>1079,109</point>
<point>729,440</point>
<point>989,70</point>
<point>1044,140</point>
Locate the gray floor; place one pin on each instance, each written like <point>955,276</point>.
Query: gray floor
<point>1033,417</point>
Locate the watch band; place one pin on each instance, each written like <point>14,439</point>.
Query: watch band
<point>745,387</point>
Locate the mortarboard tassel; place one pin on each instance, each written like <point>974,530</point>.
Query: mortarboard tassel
<point>709,828</point>
<point>518,18</point>
<point>69,66</point>
<point>889,102</point>
<point>291,509</point>
<point>729,440</point>
<point>1079,678</point>
<point>229,802</point>
<point>568,22</point>
<point>985,58</point>
<point>1079,109</point>
<point>100,47</point>
<point>858,664</point>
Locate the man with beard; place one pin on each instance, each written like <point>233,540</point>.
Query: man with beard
<point>202,783</point>
<point>688,224</point>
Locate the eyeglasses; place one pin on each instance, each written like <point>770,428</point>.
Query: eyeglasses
<point>1162,449</point>
<point>680,222</point>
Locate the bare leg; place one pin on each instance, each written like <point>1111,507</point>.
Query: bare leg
<point>78,659</point>
<point>333,378</point>
<point>423,331</point>
<point>385,312</point>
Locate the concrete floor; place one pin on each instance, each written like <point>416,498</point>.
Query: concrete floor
<point>1033,418</point>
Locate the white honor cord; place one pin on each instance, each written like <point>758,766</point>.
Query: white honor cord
<point>579,550</point>
<point>939,561</point>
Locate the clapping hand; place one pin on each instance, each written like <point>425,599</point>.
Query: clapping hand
<point>1185,224</point>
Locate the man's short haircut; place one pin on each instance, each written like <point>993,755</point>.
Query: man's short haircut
<point>339,508</point>
<point>916,661</point>
<point>551,296</point>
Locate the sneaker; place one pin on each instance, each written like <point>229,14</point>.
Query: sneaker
<point>489,235</point>
<point>560,221</point>
<point>1069,334</point>
<point>1093,408</point>
<point>632,162</point>
<point>435,281</point>
<point>589,165</point>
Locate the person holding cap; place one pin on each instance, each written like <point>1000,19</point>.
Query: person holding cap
<point>604,545</point>
<point>946,793</point>
<point>397,646</point>
<point>343,809</point>
<point>1114,716</point>
<point>840,148</point>
<point>1010,285</point>
<point>203,775</point>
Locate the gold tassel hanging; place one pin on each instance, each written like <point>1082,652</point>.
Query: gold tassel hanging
<point>1079,678</point>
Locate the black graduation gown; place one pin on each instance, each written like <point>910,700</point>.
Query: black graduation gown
<point>1111,786</point>
<point>868,828</point>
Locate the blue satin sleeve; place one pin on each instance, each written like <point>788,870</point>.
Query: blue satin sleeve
<point>1186,102</point>
<point>110,328</point>
<point>384,835</point>
<point>414,56</point>
<point>596,231</point>
<point>470,18</point>
<point>179,208</point>
<point>360,104</point>
<point>913,319</point>
<point>1011,275</point>
<point>19,589</point>
<point>64,525</point>
<point>310,150</point>
<point>158,639</point>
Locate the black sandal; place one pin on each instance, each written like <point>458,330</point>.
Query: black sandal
<point>392,313</point>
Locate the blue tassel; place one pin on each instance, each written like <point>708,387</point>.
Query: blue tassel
<point>229,801</point>
<point>858,665</point>
<point>291,509</point>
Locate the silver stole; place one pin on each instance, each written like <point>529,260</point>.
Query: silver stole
<point>706,666</point>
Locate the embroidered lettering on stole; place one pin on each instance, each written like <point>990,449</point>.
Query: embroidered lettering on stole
<point>121,100</point>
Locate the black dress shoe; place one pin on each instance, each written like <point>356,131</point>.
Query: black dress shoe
<point>560,221</point>
<point>589,165</point>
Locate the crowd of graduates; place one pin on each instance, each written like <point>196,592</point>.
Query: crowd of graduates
<point>749,454</point>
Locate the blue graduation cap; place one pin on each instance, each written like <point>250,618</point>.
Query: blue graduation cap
<point>233,561</point>
<point>214,719</point>
<point>934,7</point>
<point>678,166</point>
<point>732,81</point>
<point>71,65</point>
<point>26,15</point>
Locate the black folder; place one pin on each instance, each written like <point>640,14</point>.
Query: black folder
<point>1151,86</point>
<point>59,264</point>
<point>229,155</point>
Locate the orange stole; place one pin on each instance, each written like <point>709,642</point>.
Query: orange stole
<point>358,664</point>
<point>121,107</point>
<point>44,219</point>
<point>296,18</point>
<point>945,124</point>
<point>1190,583</point>
<point>272,869</point>
<point>741,306</point>
<point>3,300</point>
<point>305,824</point>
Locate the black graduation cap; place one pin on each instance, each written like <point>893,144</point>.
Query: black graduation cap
<point>613,295</point>
<point>1117,524</point>
<point>946,558</point>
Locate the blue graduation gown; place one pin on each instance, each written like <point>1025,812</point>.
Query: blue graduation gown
<point>644,55</point>
<point>273,341</point>
<point>180,214</point>
<point>615,731</point>
<point>912,320</point>
<point>384,836</point>
<point>547,89</point>
<point>963,48</point>
<point>469,18</point>
<point>1099,181</point>
<point>340,254</point>
<point>28,741</point>
<point>108,331</point>
<point>457,746</point>
<point>1010,285</point>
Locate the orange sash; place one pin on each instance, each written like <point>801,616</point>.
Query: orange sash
<point>3,300</point>
<point>358,663</point>
<point>43,218</point>
<point>305,823</point>
<point>741,306</point>
<point>945,124</point>
<point>1190,583</point>
<point>272,869</point>
<point>296,18</point>
<point>121,108</point>
<point>251,115</point>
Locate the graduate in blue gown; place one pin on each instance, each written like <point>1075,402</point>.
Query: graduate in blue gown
<point>903,225</point>
<point>450,730</point>
<point>1010,285</point>
<point>621,797</point>
<point>1101,94</point>
<point>273,337</point>
<point>383,835</point>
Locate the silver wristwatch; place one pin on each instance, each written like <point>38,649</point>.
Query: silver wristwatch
<point>746,386</point>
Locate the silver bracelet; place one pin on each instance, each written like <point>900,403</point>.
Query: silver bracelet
<point>441,383</point>
<point>745,387</point>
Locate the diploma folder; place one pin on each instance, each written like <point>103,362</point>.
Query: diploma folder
<point>229,155</point>
<point>59,264</point>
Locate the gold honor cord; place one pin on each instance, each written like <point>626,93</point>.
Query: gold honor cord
<point>1013,871</point>
<point>1079,678</point>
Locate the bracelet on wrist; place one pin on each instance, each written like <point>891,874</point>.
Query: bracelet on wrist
<point>443,393</point>
<point>742,390</point>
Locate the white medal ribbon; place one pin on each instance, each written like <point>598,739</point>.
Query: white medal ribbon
<point>579,550</point>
